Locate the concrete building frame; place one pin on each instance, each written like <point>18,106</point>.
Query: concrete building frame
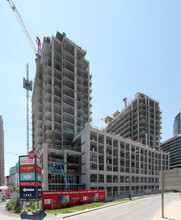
<point>119,165</point>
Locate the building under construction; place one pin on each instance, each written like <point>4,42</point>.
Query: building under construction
<point>61,104</point>
<point>139,121</point>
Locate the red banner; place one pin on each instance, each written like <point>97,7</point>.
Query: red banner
<point>60,199</point>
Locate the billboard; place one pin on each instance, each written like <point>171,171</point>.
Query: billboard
<point>60,199</point>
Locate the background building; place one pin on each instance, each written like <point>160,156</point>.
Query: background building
<point>119,165</point>
<point>177,124</point>
<point>61,104</point>
<point>1,152</point>
<point>14,176</point>
<point>140,121</point>
<point>173,146</point>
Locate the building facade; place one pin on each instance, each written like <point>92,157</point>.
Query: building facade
<point>61,104</point>
<point>173,146</point>
<point>61,98</point>
<point>1,151</point>
<point>177,124</point>
<point>140,121</point>
<point>119,165</point>
<point>13,179</point>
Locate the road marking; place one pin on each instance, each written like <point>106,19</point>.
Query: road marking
<point>124,213</point>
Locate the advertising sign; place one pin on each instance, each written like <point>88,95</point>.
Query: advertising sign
<point>27,177</point>
<point>59,199</point>
<point>24,160</point>
<point>38,177</point>
<point>28,193</point>
<point>27,168</point>
<point>38,170</point>
<point>30,177</point>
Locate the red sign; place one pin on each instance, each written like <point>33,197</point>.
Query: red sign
<point>59,199</point>
<point>38,170</point>
<point>27,184</point>
<point>31,154</point>
<point>27,169</point>
<point>30,184</point>
<point>7,177</point>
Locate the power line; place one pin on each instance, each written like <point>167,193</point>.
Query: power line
<point>11,153</point>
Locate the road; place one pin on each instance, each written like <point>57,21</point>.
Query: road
<point>140,209</point>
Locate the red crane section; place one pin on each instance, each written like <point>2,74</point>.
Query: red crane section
<point>125,101</point>
<point>20,20</point>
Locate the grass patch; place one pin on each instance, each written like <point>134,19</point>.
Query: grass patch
<point>82,207</point>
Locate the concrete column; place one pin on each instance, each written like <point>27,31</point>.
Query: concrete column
<point>87,125</point>
<point>65,162</point>
<point>45,167</point>
<point>138,117</point>
<point>148,131</point>
<point>105,160</point>
<point>130,171</point>
<point>75,91</point>
<point>62,91</point>
<point>52,86</point>
<point>119,166</point>
<point>89,93</point>
<point>154,134</point>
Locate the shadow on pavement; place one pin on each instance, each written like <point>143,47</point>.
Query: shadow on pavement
<point>33,217</point>
<point>169,218</point>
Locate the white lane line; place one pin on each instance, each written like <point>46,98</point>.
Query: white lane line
<point>124,213</point>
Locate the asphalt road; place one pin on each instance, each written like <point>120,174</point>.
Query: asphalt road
<point>141,209</point>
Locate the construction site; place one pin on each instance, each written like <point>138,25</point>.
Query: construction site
<point>61,105</point>
<point>140,121</point>
<point>122,158</point>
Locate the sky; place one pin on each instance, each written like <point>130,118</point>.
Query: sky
<point>132,46</point>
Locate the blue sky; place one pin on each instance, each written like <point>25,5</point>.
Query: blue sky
<point>133,46</point>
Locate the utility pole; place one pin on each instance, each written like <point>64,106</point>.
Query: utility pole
<point>162,194</point>
<point>28,86</point>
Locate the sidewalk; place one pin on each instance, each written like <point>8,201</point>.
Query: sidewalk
<point>171,212</point>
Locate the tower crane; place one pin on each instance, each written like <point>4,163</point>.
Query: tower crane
<point>20,20</point>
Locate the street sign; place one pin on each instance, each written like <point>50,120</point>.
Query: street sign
<point>28,193</point>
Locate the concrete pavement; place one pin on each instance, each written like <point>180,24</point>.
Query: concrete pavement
<point>171,212</point>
